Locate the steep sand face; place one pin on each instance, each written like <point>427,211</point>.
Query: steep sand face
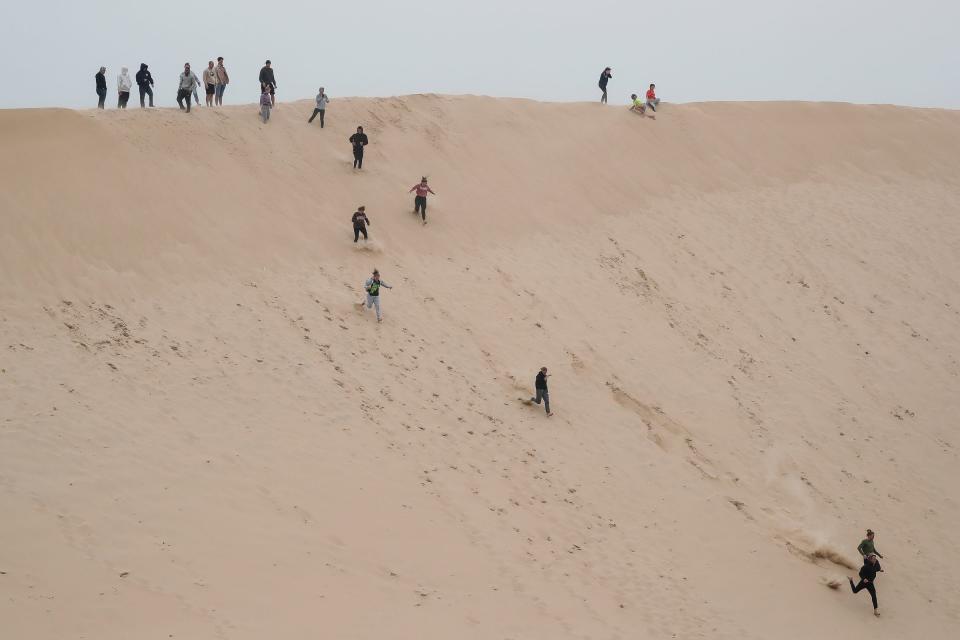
<point>751,313</point>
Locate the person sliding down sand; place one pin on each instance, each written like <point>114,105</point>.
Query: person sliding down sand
<point>868,574</point>
<point>372,287</point>
<point>265,104</point>
<point>360,222</point>
<point>541,387</point>
<point>420,201</point>
<point>636,105</point>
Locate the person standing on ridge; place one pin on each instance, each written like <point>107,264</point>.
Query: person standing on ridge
<point>359,140</point>
<point>268,81</point>
<point>866,546</point>
<point>222,81</point>
<point>372,287</point>
<point>360,222</point>
<point>210,82</point>
<point>321,107</point>
<point>868,575</point>
<point>265,104</point>
<point>124,84</point>
<point>101,79</point>
<point>187,84</point>
<point>604,79</point>
<point>420,201</point>
<point>144,80</point>
<point>196,85</point>
<point>541,387</point>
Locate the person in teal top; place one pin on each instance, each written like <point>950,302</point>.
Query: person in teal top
<point>867,547</point>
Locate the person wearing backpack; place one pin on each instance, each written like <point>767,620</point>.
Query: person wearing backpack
<point>372,287</point>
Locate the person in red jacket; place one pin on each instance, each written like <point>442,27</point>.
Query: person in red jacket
<point>652,99</point>
<point>420,202</point>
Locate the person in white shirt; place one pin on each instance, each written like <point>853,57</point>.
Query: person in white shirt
<point>210,82</point>
<point>321,108</point>
<point>124,83</point>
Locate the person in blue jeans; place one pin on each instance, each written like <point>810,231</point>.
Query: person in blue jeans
<point>541,388</point>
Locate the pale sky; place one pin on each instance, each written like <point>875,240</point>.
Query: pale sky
<point>866,51</point>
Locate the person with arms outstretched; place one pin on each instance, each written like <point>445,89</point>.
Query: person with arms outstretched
<point>604,79</point>
<point>268,81</point>
<point>373,286</point>
<point>321,107</point>
<point>145,84</point>
<point>101,80</point>
<point>360,222</point>
<point>868,575</point>
<point>420,201</point>
<point>359,140</point>
<point>540,384</point>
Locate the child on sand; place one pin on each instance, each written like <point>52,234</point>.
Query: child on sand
<point>868,574</point>
<point>652,99</point>
<point>420,201</point>
<point>265,104</point>
<point>360,222</point>
<point>372,286</point>
<point>636,105</point>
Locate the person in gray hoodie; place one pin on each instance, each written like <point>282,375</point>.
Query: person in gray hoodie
<point>321,108</point>
<point>124,84</point>
<point>373,286</point>
<point>188,84</point>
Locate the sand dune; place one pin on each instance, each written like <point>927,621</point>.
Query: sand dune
<point>751,313</point>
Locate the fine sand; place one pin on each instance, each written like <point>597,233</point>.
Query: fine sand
<point>751,313</point>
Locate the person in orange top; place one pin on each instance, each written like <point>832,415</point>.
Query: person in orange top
<point>420,202</point>
<point>652,99</point>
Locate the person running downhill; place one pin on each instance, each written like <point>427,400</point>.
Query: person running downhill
<point>321,107</point>
<point>124,84</point>
<point>144,82</point>
<point>359,140</point>
<point>101,79</point>
<point>265,104</point>
<point>360,222</point>
<point>188,84</point>
<point>372,287</point>
<point>420,201</point>
<point>223,79</point>
<point>868,575</point>
<point>866,546</point>
<point>541,387</point>
<point>268,81</point>
<point>604,79</point>
<point>210,82</point>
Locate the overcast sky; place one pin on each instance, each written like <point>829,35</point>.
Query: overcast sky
<point>869,51</point>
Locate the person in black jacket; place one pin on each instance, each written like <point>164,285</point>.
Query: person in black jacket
<point>541,387</point>
<point>267,79</point>
<point>101,79</point>
<point>868,574</point>
<point>144,82</point>
<point>360,222</point>
<point>604,78</point>
<point>359,140</point>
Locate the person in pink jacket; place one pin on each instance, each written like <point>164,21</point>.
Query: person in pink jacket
<point>420,201</point>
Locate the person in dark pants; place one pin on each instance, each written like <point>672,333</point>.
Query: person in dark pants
<point>188,82</point>
<point>359,140</point>
<point>101,79</point>
<point>420,201</point>
<point>360,222</point>
<point>268,80</point>
<point>144,82</point>
<point>321,107</point>
<point>542,393</point>
<point>868,574</point>
<point>124,83</point>
<point>604,78</point>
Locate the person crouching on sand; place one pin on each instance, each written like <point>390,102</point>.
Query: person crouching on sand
<point>420,201</point>
<point>540,384</point>
<point>265,104</point>
<point>372,286</point>
<point>636,105</point>
<point>868,574</point>
<point>360,222</point>
<point>652,99</point>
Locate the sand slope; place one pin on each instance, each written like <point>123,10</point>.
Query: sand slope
<point>751,311</point>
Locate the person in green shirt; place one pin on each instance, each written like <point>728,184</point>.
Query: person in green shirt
<point>867,547</point>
